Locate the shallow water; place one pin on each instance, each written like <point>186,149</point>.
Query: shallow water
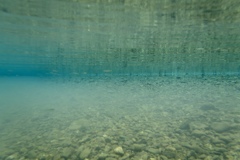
<point>119,80</point>
<point>126,37</point>
<point>149,117</point>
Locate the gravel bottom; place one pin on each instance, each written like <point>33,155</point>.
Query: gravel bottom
<point>120,119</point>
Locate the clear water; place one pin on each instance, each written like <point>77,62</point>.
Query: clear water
<point>84,79</point>
<point>119,38</point>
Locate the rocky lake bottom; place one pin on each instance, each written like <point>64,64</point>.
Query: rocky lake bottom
<point>120,119</point>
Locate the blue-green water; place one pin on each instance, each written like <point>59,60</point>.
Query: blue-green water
<point>147,117</point>
<point>175,38</point>
<point>119,80</point>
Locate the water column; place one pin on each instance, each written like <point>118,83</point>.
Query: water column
<point>81,38</point>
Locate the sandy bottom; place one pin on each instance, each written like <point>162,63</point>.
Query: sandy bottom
<point>120,118</point>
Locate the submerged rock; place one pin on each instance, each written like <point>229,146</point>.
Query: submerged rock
<point>198,133</point>
<point>138,147</point>
<point>12,157</point>
<point>221,126</point>
<point>208,107</point>
<point>153,150</point>
<point>102,156</point>
<point>119,151</point>
<point>185,126</point>
<point>85,153</point>
<point>169,154</point>
<point>66,152</point>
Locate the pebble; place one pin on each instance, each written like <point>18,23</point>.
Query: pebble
<point>197,148</point>
<point>32,154</point>
<point>66,152</point>
<point>138,147</point>
<point>56,157</point>
<point>198,133</point>
<point>110,158</point>
<point>119,151</point>
<point>153,150</point>
<point>216,140</point>
<point>221,126</point>
<point>107,138</point>
<point>226,139</point>
<point>163,157</point>
<point>12,157</point>
<point>85,153</point>
<point>144,156</point>
<point>170,148</point>
<point>208,107</point>
<point>169,154</point>
<point>185,126</point>
<point>102,156</point>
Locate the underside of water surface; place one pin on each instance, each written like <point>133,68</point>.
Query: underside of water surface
<point>119,80</point>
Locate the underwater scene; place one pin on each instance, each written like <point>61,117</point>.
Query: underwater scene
<point>120,80</point>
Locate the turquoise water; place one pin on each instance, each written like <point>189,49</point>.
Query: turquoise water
<point>80,38</point>
<point>161,118</point>
<point>119,80</point>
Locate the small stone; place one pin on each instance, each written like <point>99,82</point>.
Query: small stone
<point>198,133</point>
<point>23,150</point>
<point>221,126</point>
<point>187,145</point>
<point>197,149</point>
<point>56,157</point>
<point>138,147</point>
<point>107,138</point>
<point>74,156</point>
<point>102,156</point>
<point>153,150</point>
<point>169,154</point>
<point>219,150</point>
<point>216,140</point>
<point>107,149</point>
<point>126,156</point>
<point>119,151</point>
<point>139,156</point>
<point>170,148</point>
<point>85,153</point>
<point>32,154</point>
<point>202,156</point>
<point>80,149</point>
<point>110,158</point>
<point>185,126</point>
<point>43,156</point>
<point>163,157</point>
<point>12,157</point>
<point>198,126</point>
<point>208,107</point>
<point>208,158</point>
<point>226,139</point>
<point>144,156</point>
<point>66,152</point>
